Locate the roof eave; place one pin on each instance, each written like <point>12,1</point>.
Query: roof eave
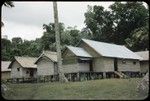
<point>31,67</point>
<point>85,56</point>
<point>122,58</point>
<point>144,60</point>
<point>6,71</point>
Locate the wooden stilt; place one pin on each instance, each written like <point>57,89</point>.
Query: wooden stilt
<point>70,77</point>
<point>104,75</point>
<point>78,76</point>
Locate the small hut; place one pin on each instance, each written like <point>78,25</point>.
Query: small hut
<point>23,67</point>
<point>5,72</point>
<point>47,63</point>
<point>144,63</point>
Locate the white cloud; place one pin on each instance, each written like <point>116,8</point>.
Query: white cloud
<point>33,13</point>
<point>26,18</point>
<point>29,32</point>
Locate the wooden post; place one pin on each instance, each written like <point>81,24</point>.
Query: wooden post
<point>17,80</point>
<point>90,76</point>
<point>78,76</point>
<point>70,76</point>
<point>104,74</point>
<point>60,69</point>
<point>23,79</point>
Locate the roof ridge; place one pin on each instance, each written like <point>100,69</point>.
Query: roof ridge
<point>111,50</point>
<point>103,42</point>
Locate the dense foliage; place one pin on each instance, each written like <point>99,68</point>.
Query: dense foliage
<point>124,23</point>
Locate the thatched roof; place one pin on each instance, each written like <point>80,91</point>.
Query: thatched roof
<point>111,50</point>
<point>5,65</point>
<point>49,54</point>
<point>144,55</point>
<point>25,62</point>
<point>77,51</point>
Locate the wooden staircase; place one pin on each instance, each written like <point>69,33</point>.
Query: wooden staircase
<point>121,75</point>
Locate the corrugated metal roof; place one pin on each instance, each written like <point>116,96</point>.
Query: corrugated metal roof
<point>79,51</point>
<point>26,62</point>
<point>5,65</point>
<point>111,50</point>
<point>49,54</point>
<point>144,55</point>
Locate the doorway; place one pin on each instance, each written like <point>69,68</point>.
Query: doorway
<point>115,64</point>
<point>91,65</point>
<point>31,73</point>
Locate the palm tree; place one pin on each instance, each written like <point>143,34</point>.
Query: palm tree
<point>7,4</point>
<point>62,77</point>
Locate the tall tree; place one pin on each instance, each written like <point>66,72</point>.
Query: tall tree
<point>139,39</point>
<point>100,23</point>
<point>75,35</point>
<point>17,40</point>
<point>127,17</point>
<point>119,23</point>
<point>48,39</point>
<point>5,49</point>
<point>86,33</point>
<point>62,77</point>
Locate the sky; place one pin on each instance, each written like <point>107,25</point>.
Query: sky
<point>26,19</point>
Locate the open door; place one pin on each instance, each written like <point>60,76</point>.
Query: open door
<point>91,66</point>
<point>115,64</point>
<point>31,73</point>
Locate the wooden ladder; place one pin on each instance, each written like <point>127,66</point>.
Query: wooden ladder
<point>120,74</point>
<point>117,73</point>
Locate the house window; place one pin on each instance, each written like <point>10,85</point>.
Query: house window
<point>18,69</point>
<point>123,61</point>
<point>134,63</point>
<point>84,60</point>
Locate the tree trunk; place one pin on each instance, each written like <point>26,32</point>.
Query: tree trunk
<point>62,77</point>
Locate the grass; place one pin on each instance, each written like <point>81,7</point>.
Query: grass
<point>94,89</point>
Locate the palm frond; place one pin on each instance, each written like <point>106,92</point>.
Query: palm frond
<point>8,4</point>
